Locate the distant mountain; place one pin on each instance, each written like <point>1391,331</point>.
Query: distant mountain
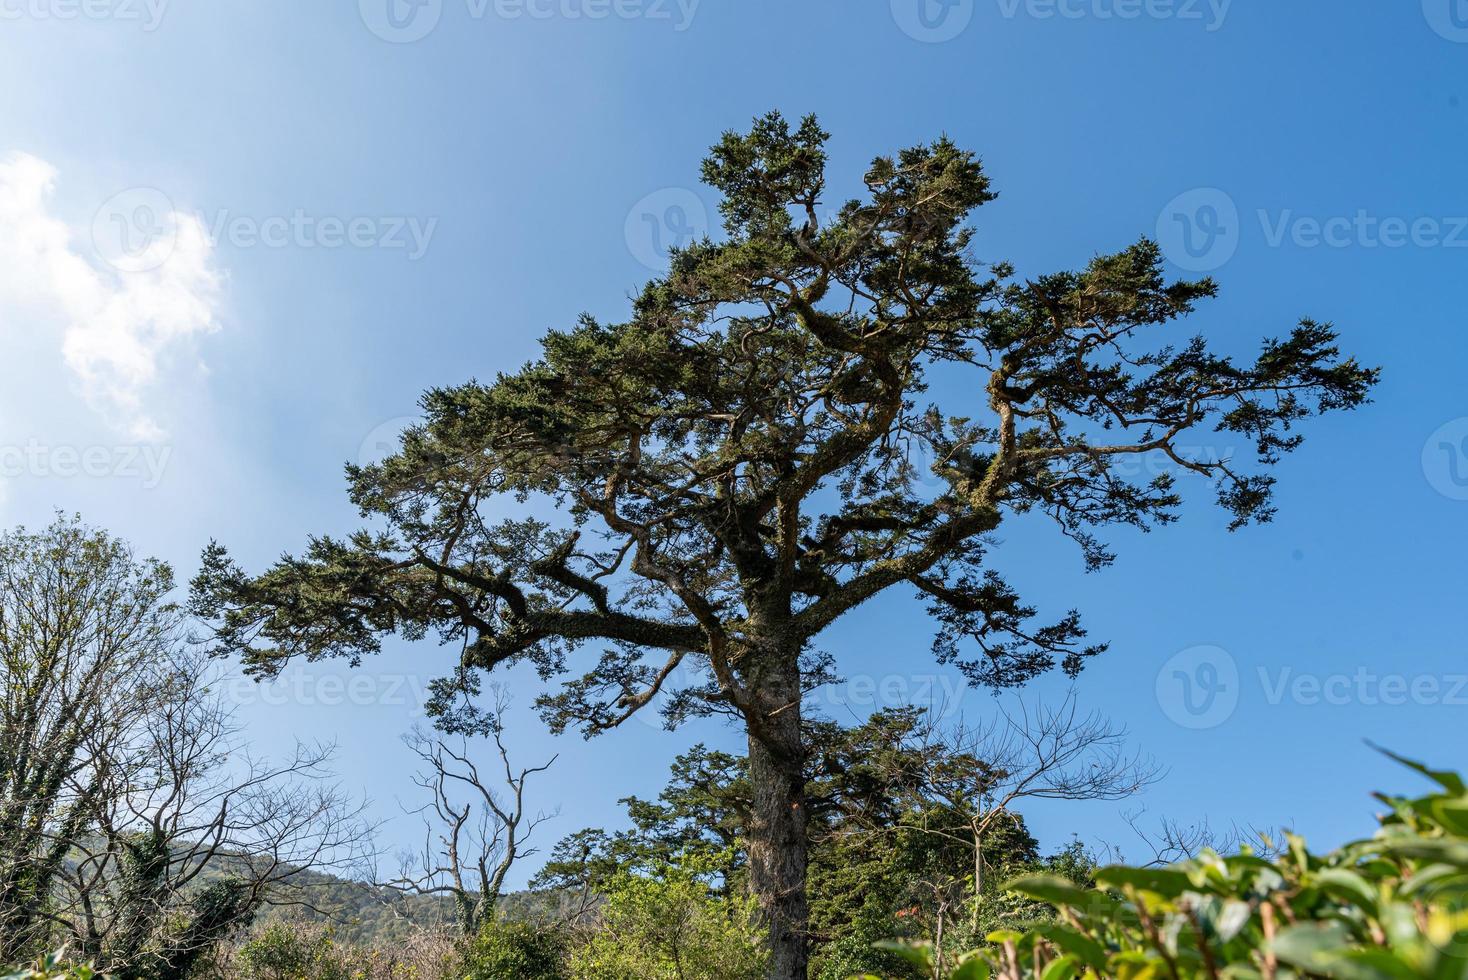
<point>368,915</point>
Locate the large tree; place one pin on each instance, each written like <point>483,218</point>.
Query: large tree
<point>706,487</point>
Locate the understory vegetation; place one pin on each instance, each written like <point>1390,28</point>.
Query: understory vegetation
<point>1391,905</point>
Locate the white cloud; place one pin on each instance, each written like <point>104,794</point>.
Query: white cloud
<point>151,289</point>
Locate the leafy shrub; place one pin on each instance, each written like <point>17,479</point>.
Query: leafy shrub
<point>284,952</point>
<point>857,953</point>
<point>671,925</point>
<point>1390,907</point>
<point>515,951</point>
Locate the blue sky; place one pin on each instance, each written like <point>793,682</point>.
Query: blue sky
<point>238,238</point>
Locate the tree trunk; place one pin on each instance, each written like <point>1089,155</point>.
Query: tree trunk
<point>978,877</point>
<point>777,833</point>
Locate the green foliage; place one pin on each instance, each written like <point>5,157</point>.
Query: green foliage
<point>1003,908</point>
<point>284,952</point>
<point>872,851</point>
<point>160,935</point>
<point>1389,907</point>
<point>222,907</point>
<point>301,950</point>
<point>702,810</point>
<point>670,925</point>
<point>863,943</point>
<point>515,951</point>
<point>859,952</point>
<point>52,967</point>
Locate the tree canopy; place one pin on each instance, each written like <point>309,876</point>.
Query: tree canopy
<point>756,433</point>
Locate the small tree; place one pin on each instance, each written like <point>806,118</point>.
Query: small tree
<point>469,846</point>
<point>818,408</point>
<point>967,780</point>
<point>510,950</point>
<point>702,811</point>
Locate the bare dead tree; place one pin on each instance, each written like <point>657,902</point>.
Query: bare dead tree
<point>191,834</point>
<point>470,846</point>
